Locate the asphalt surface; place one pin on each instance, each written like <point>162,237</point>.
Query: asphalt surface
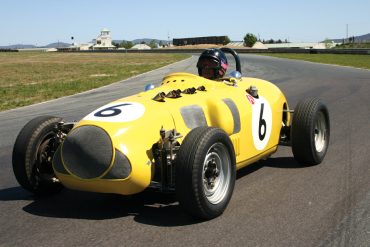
<point>275,202</point>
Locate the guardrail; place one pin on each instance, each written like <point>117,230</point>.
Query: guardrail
<point>243,50</point>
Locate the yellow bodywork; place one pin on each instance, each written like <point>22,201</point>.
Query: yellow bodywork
<point>136,137</point>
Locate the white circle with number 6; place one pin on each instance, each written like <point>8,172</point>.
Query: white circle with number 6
<point>261,122</point>
<point>117,112</point>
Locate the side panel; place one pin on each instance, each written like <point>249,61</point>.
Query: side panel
<point>261,120</point>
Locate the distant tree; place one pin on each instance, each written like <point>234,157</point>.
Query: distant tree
<point>279,41</point>
<point>143,42</point>
<point>161,44</point>
<point>126,44</point>
<point>250,39</point>
<point>153,44</point>
<point>227,40</point>
<point>328,43</point>
<point>115,44</point>
<point>129,44</point>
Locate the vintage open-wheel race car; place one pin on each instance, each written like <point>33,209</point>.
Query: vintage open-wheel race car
<point>187,136</point>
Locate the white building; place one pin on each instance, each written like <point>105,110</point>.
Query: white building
<point>141,47</point>
<point>259,45</point>
<point>103,41</point>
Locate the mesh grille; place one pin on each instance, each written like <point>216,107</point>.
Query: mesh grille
<point>87,152</point>
<point>121,167</point>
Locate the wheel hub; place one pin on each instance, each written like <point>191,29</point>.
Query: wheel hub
<point>211,173</point>
<point>320,132</point>
<point>44,156</point>
<point>216,173</point>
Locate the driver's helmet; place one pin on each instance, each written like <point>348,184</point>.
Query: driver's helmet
<point>212,64</point>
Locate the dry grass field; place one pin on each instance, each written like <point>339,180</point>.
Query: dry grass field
<point>30,77</point>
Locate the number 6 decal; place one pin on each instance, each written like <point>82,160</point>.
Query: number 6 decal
<point>117,112</point>
<point>112,111</point>
<point>261,123</point>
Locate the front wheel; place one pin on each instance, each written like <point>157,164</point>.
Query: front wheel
<point>310,131</point>
<point>205,172</point>
<point>32,156</point>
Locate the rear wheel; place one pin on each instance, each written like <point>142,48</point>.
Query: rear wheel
<point>205,172</point>
<point>310,131</point>
<point>32,156</point>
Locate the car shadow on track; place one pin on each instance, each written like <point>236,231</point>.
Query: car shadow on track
<point>276,162</point>
<point>15,194</point>
<point>149,208</point>
<point>282,162</point>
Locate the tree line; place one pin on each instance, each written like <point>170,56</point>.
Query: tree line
<point>250,39</point>
<point>129,44</point>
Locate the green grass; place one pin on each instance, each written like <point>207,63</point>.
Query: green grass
<point>357,61</point>
<point>28,78</point>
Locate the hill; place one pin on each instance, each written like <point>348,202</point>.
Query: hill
<point>57,45</point>
<point>17,46</point>
<point>361,38</point>
<point>63,44</point>
<point>22,46</point>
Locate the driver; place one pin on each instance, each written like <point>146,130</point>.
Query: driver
<point>212,64</point>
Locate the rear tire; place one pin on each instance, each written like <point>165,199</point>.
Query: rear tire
<point>310,131</point>
<point>205,172</point>
<point>32,156</point>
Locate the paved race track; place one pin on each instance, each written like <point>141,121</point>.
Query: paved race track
<point>275,203</point>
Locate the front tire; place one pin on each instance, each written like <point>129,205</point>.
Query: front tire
<point>205,172</point>
<point>310,131</point>
<point>32,156</point>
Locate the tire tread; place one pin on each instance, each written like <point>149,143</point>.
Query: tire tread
<point>24,152</point>
<point>191,152</point>
<point>303,146</point>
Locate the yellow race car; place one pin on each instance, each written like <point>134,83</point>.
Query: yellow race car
<point>187,136</point>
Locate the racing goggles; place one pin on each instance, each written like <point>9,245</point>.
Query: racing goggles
<point>207,63</point>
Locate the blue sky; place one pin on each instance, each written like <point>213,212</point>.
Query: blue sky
<point>42,22</point>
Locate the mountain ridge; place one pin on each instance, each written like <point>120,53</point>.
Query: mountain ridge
<point>360,38</point>
<point>64,44</point>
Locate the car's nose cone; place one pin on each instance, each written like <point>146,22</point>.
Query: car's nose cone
<point>87,152</point>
